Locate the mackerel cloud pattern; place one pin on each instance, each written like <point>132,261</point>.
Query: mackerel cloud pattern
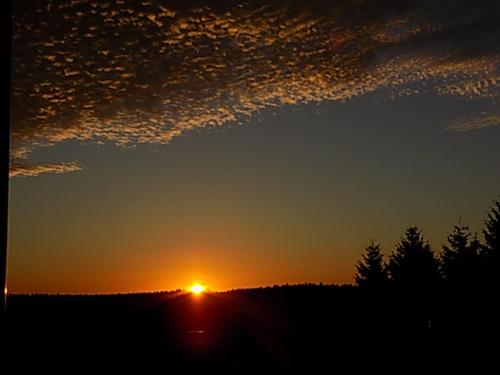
<point>131,72</point>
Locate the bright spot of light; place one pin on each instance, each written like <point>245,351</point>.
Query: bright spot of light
<point>197,289</point>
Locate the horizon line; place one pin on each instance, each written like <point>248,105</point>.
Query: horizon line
<point>179,290</point>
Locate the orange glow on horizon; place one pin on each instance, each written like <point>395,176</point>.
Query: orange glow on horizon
<point>216,267</point>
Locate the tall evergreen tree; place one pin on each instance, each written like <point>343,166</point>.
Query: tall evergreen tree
<point>370,270</point>
<point>491,248</point>
<point>491,230</point>
<point>413,265</point>
<point>460,258</point>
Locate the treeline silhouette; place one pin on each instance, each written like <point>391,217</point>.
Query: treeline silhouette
<point>454,292</point>
<point>465,263</point>
<point>413,310</point>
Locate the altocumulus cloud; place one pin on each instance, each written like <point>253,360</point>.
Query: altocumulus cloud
<point>34,169</point>
<point>130,72</point>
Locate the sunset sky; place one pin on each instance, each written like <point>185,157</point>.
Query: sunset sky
<point>243,143</point>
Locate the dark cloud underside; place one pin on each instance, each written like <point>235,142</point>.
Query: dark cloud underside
<point>133,72</point>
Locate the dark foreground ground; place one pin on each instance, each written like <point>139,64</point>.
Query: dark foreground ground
<point>291,329</point>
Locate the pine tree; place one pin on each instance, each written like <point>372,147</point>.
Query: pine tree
<point>460,258</point>
<point>491,248</point>
<point>371,272</point>
<point>492,230</point>
<point>413,266</point>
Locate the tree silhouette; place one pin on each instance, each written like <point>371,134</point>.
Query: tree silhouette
<point>491,248</point>
<point>413,266</point>
<point>460,258</point>
<point>370,270</point>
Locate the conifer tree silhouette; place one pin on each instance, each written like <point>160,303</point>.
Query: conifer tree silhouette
<point>490,251</point>
<point>460,262</point>
<point>370,270</point>
<point>413,265</point>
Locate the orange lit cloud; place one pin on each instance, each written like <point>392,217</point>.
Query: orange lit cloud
<point>480,121</point>
<point>26,169</point>
<point>130,72</point>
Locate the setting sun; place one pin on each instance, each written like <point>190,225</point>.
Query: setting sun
<point>197,289</point>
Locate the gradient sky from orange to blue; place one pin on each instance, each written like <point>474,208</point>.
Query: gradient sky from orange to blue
<point>264,145</point>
